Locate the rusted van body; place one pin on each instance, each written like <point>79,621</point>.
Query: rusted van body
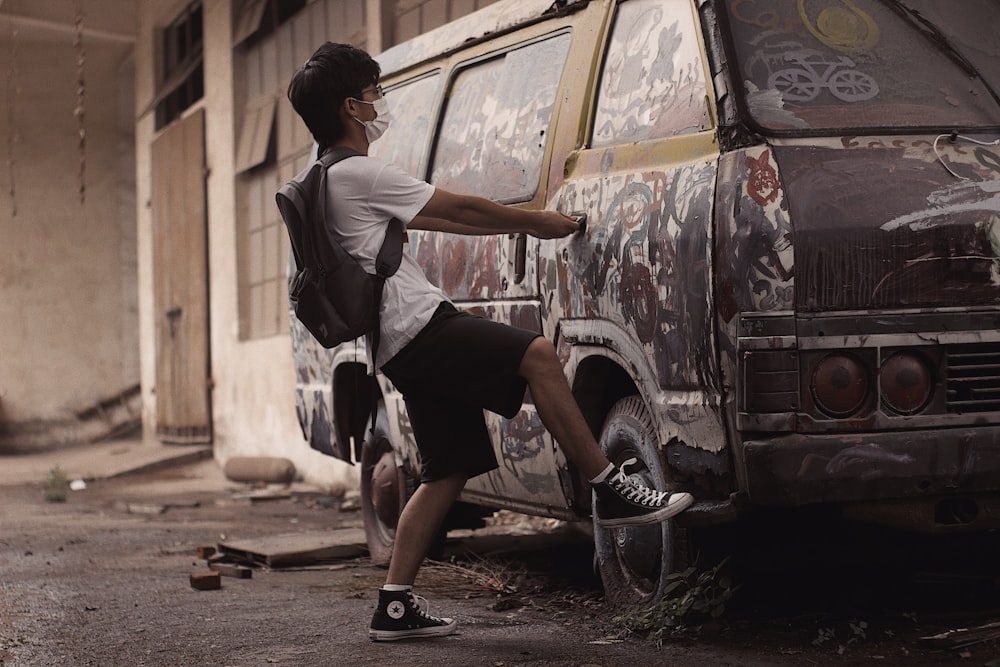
<point>788,289</point>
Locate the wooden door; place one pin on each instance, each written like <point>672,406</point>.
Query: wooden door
<point>180,277</point>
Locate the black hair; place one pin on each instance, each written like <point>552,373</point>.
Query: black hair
<point>332,74</point>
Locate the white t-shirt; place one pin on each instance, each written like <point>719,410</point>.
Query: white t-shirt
<point>363,195</point>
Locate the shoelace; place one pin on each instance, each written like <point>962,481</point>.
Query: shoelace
<point>635,490</point>
<point>422,606</point>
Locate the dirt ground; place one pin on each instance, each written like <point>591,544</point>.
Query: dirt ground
<point>103,579</point>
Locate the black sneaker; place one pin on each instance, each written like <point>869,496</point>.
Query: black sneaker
<point>401,615</point>
<point>624,501</point>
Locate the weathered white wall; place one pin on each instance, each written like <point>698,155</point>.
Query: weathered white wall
<point>68,320</point>
<point>253,400</point>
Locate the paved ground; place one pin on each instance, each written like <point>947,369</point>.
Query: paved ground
<point>103,579</point>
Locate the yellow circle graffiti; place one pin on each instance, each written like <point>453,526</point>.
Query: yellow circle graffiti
<point>844,27</point>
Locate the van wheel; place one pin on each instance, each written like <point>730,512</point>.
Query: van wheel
<point>385,488</point>
<point>634,561</point>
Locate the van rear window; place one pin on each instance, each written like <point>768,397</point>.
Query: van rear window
<point>860,64</point>
<point>495,126</point>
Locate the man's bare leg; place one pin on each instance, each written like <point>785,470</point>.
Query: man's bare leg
<point>401,614</point>
<point>558,408</point>
<point>419,524</point>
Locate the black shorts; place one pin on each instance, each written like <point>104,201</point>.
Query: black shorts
<point>457,366</point>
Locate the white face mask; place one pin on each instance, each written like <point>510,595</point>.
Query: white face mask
<point>376,128</point>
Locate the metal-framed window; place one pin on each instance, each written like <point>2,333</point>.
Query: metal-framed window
<point>182,78</point>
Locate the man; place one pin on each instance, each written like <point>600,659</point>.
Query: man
<point>448,365</point>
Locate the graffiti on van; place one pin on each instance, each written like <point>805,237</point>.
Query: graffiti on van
<point>466,267</point>
<point>495,124</point>
<point>811,73</point>
<point>651,80</point>
<point>645,261</point>
<point>313,400</point>
<point>757,247</point>
<point>844,26</point>
<point>523,439</point>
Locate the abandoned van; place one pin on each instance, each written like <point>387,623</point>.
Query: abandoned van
<point>787,292</point>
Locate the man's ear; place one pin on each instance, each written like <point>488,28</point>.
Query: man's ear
<point>348,108</point>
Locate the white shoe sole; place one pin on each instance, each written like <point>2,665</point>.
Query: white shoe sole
<point>416,633</point>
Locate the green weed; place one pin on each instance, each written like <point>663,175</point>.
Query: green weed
<point>56,486</point>
<point>857,632</point>
<point>690,598</point>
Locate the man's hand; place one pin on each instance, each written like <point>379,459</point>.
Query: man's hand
<point>552,225</point>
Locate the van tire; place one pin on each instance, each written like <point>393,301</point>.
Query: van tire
<point>634,562</point>
<point>385,488</point>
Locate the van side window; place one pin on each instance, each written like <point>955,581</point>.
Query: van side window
<point>412,106</point>
<point>493,134</point>
<point>653,80</point>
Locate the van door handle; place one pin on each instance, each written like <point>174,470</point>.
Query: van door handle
<point>520,257</point>
<point>581,218</point>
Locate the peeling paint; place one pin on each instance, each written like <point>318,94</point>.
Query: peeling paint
<point>644,264</point>
<point>756,240</point>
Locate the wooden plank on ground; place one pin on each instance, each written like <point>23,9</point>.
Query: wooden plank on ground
<point>231,570</point>
<point>963,637</point>
<point>297,549</point>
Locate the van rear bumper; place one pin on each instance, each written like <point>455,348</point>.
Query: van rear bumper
<point>800,469</point>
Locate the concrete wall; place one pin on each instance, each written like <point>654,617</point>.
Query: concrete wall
<point>68,311</point>
<point>253,400</point>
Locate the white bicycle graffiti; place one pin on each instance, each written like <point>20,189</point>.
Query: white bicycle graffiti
<point>813,74</point>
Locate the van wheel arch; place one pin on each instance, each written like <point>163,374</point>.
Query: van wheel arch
<point>598,384</point>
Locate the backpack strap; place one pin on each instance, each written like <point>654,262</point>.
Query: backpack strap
<point>391,253</point>
<point>387,262</point>
<point>298,201</point>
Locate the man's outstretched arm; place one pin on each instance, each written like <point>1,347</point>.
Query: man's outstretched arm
<point>467,214</point>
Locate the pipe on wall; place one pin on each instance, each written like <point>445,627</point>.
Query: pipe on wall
<point>27,22</point>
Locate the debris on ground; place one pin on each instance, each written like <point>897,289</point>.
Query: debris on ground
<point>293,549</point>
<point>230,569</point>
<point>206,581</point>
<point>481,575</point>
<point>267,469</point>
<point>960,638</point>
<point>151,508</point>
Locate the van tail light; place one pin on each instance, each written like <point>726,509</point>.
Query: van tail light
<point>906,383</point>
<point>840,384</point>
